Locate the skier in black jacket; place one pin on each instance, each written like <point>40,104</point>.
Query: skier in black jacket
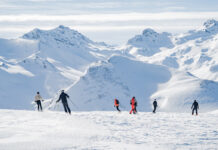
<point>155,106</point>
<point>63,97</point>
<point>195,107</point>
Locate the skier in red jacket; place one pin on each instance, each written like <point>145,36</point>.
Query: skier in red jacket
<point>116,104</point>
<point>133,105</point>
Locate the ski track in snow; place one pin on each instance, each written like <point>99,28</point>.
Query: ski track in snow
<point>28,130</point>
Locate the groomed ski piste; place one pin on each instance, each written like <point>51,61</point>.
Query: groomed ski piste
<point>106,130</point>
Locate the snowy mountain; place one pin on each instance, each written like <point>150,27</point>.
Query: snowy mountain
<point>149,43</point>
<point>121,78</point>
<point>45,61</point>
<point>68,47</point>
<point>209,29</point>
<point>175,69</point>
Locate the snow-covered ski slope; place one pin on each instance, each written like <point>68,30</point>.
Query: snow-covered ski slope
<point>102,130</point>
<point>174,69</point>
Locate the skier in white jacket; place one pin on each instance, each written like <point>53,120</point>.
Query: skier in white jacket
<point>38,100</point>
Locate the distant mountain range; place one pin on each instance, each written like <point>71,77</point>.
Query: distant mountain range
<point>174,69</point>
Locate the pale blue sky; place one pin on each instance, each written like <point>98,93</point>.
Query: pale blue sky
<point>112,21</point>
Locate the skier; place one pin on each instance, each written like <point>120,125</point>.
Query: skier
<point>195,107</point>
<point>38,100</point>
<point>133,105</point>
<point>155,105</point>
<point>63,97</point>
<point>116,104</point>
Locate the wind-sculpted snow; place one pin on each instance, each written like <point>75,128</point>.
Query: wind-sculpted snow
<point>120,78</point>
<point>28,130</point>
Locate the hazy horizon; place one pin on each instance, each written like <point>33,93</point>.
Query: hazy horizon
<point>113,22</point>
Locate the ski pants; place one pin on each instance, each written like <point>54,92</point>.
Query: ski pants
<point>66,107</point>
<point>39,105</point>
<point>155,107</point>
<point>117,107</point>
<point>196,111</point>
<point>133,110</point>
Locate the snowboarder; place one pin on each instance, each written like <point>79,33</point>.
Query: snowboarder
<point>38,100</point>
<point>155,105</point>
<point>133,105</point>
<point>63,97</point>
<point>195,107</point>
<point>116,104</point>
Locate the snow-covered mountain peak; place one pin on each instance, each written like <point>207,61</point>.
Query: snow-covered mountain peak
<point>208,31</point>
<point>149,42</point>
<point>211,23</point>
<point>61,34</point>
<point>33,35</point>
<point>60,30</point>
<point>148,32</point>
<point>63,27</point>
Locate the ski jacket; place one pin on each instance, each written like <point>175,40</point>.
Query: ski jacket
<point>195,105</point>
<point>155,103</point>
<point>63,97</point>
<point>38,97</point>
<point>132,102</point>
<point>116,102</point>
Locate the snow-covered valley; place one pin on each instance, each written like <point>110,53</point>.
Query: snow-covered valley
<point>29,130</point>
